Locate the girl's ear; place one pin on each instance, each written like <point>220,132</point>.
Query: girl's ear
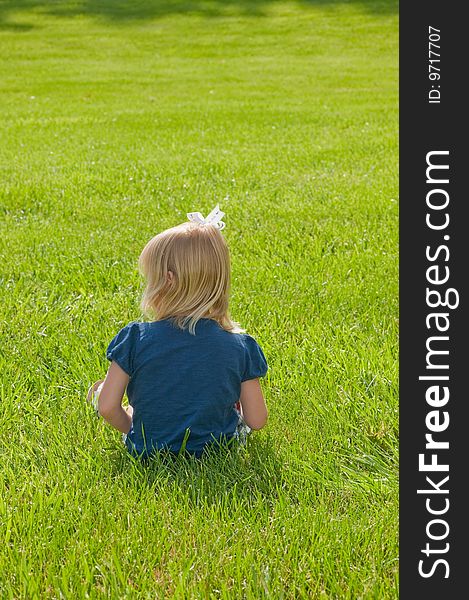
<point>169,276</point>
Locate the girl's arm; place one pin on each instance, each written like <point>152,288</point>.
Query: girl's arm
<point>253,405</point>
<point>110,399</point>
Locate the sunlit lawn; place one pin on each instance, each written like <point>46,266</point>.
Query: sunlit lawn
<point>118,118</point>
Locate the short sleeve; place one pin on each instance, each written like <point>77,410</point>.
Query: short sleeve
<point>121,349</point>
<point>255,363</point>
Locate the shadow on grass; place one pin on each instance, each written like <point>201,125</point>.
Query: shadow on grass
<point>133,10</point>
<point>230,473</point>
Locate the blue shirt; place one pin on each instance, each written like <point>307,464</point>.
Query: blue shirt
<point>183,384</point>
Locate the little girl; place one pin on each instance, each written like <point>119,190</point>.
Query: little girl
<point>191,374</point>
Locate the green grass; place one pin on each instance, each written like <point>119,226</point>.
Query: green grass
<point>118,118</point>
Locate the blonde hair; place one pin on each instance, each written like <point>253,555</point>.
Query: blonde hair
<point>198,258</point>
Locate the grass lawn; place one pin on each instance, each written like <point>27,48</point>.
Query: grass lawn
<point>117,118</point>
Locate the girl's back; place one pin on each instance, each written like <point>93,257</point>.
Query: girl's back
<point>184,384</point>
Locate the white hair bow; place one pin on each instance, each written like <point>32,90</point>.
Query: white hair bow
<point>214,218</point>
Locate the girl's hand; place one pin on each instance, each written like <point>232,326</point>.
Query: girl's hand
<point>93,388</point>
